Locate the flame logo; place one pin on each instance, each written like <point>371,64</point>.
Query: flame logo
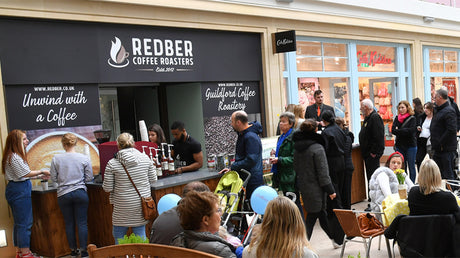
<point>118,55</point>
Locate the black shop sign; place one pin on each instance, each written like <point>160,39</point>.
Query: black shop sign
<point>52,106</point>
<point>63,52</point>
<point>224,98</point>
<point>284,41</point>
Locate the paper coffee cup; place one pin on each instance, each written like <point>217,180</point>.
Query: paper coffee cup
<point>45,185</point>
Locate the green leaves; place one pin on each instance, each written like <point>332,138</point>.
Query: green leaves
<point>132,239</point>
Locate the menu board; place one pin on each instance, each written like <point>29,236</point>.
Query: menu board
<point>224,98</point>
<point>33,107</point>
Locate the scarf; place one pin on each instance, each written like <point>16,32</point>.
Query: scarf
<point>401,118</point>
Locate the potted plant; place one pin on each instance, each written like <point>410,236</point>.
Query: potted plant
<point>132,239</point>
<point>402,188</point>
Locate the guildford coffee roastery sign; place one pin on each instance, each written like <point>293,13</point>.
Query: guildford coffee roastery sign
<point>57,106</point>
<point>224,98</point>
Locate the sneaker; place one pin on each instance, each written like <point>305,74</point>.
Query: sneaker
<point>74,253</point>
<point>335,245</point>
<point>30,255</point>
<point>84,254</point>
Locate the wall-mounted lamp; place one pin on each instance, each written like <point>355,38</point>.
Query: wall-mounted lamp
<point>428,19</point>
<point>3,238</point>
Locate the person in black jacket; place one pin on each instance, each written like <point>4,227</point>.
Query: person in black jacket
<point>443,131</point>
<point>454,106</point>
<point>405,129</point>
<point>349,168</point>
<point>335,145</point>
<point>316,111</point>
<point>371,137</point>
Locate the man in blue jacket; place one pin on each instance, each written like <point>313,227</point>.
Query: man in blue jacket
<point>248,154</point>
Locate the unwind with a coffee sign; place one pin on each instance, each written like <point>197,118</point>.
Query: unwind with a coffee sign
<point>56,99</point>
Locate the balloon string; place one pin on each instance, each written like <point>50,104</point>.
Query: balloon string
<point>247,231</point>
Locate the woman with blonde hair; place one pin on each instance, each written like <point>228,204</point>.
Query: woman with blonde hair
<point>299,116</point>
<point>71,170</point>
<point>127,209</point>
<point>405,129</point>
<point>428,197</point>
<point>282,233</point>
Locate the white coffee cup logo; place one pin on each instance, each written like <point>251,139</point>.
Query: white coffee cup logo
<point>118,55</point>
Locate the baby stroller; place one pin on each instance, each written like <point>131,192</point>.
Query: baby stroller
<point>231,189</point>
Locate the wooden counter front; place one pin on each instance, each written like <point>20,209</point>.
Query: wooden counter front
<point>48,236</point>
<point>48,230</point>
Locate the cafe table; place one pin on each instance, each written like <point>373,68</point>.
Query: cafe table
<point>392,206</point>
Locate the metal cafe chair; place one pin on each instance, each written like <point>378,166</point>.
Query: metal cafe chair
<point>349,222</point>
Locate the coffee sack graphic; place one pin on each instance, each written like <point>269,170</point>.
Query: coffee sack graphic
<point>118,55</point>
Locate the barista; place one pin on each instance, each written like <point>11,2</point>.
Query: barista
<point>186,149</point>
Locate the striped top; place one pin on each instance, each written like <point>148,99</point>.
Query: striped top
<point>70,171</point>
<point>16,169</point>
<point>127,209</point>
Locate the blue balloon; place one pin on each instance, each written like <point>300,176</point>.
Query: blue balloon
<point>260,198</point>
<point>167,202</point>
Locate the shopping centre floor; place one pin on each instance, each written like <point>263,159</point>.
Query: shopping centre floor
<point>323,246</point>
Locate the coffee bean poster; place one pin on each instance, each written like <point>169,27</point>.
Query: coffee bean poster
<point>52,106</point>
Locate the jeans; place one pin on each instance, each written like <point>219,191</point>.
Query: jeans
<point>120,232</point>
<point>445,162</point>
<point>18,195</point>
<point>409,154</point>
<point>74,208</point>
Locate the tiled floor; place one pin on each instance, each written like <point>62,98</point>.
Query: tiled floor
<point>323,246</point>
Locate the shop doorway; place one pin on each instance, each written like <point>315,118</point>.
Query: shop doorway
<point>382,92</point>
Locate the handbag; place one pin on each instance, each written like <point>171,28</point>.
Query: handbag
<point>148,203</point>
<point>369,224</point>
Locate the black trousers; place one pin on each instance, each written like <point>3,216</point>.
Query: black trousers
<point>421,151</point>
<point>371,165</point>
<point>311,220</point>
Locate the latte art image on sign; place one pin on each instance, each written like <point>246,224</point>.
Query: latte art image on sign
<point>41,150</point>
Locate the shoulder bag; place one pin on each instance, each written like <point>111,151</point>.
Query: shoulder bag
<point>148,203</point>
<point>369,224</point>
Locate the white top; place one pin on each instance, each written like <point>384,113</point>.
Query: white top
<point>426,128</point>
<point>127,210</point>
<point>16,169</point>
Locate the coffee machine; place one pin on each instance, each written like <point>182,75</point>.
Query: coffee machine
<point>102,135</point>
